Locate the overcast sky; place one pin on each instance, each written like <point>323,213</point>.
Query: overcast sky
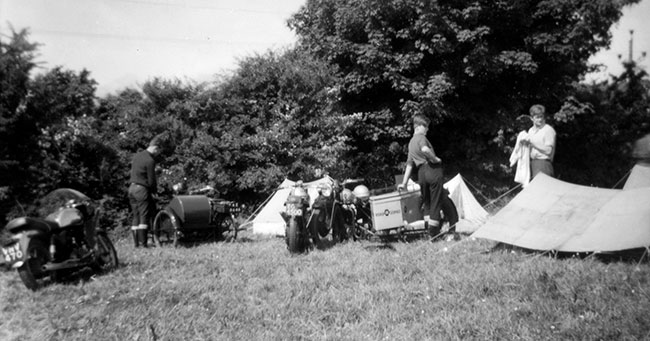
<point>126,42</point>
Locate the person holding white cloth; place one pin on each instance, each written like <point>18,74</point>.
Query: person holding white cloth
<point>541,140</point>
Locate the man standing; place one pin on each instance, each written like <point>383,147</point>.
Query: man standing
<point>143,186</point>
<point>541,139</point>
<point>428,167</point>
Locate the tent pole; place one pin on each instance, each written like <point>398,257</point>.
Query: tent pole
<point>258,209</point>
<point>623,178</point>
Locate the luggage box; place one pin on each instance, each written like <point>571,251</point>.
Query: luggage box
<point>395,209</point>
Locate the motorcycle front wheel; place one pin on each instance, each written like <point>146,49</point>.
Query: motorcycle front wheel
<point>32,273</point>
<point>294,238</point>
<point>107,257</point>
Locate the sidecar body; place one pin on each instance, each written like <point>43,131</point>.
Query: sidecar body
<point>196,217</point>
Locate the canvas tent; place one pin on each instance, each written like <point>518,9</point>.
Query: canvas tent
<point>550,214</point>
<point>471,214</point>
<point>269,221</point>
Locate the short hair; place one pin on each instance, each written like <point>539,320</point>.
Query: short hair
<point>537,110</point>
<point>156,141</point>
<point>421,120</point>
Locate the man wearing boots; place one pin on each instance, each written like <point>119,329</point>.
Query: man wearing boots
<point>143,186</point>
<point>426,168</point>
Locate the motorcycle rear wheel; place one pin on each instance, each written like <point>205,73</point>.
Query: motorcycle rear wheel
<point>32,273</point>
<point>107,258</point>
<point>294,238</point>
<point>449,212</point>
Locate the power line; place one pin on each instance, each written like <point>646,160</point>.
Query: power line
<point>207,40</point>
<point>203,7</point>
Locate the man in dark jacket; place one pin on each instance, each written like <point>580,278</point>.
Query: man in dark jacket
<point>143,186</point>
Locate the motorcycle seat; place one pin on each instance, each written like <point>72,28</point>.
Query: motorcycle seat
<point>25,223</point>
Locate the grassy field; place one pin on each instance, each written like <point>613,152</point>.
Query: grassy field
<point>255,290</point>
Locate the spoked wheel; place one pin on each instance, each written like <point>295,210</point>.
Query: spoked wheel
<point>449,212</point>
<point>32,273</point>
<point>107,257</point>
<point>166,228</point>
<point>229,229</point>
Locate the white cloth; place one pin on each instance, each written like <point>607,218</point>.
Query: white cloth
<point>521,157</point>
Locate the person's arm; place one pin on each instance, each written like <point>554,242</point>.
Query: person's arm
<point>431,156</point>
<point>407,175</point>
<point>547,145</point>
<point>151,177</point>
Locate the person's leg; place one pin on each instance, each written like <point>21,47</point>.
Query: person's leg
<point>135,219</point>
<point>141,202</point>
<point>433,181</point>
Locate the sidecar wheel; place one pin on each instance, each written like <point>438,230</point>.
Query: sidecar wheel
<point>229,229</point>
<point>31,273</point>
<point>107,258</point>
<point>166,228</point>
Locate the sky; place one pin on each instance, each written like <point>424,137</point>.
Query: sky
<point>124,43</point>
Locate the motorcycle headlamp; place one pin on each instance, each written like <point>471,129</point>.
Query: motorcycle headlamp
<point>347,197</point>
<point>299,192</point>
<point>325,189</point>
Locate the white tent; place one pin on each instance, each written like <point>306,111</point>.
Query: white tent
<point>269,221</point>
<point>471,214</point>
<point>550,214</point>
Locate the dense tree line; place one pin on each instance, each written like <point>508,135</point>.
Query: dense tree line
<point>340,101</point>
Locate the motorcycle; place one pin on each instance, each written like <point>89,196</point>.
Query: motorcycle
<point>65,240</point>
<point>305,224</point>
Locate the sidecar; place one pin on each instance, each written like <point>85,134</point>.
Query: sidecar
<point>397,215</point>
<point>195,218</point>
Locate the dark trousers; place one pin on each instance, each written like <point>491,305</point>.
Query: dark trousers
<point>541,166</point>
<point>430,179</point>
<point>142,205</point>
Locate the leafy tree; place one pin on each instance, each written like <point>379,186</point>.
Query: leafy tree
<point>472,66</point>
<point>17,60</point>
<point>275,117</point>
<point>600,123</point>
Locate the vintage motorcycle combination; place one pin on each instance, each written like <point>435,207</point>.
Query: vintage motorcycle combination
<point>197,216</point>
<point>65,239</point>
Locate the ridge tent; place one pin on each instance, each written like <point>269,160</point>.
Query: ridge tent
<point>550,214</point>
<point>471,215</point>
<point>269,221</point>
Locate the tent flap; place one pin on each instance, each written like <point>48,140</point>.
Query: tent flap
<point>550,214</point>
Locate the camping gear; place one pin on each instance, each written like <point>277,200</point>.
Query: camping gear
<point>550,214</point>
<point>197,216</point>
<point>268,220</point>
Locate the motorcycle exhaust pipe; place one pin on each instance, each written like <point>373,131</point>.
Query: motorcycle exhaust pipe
<point>68,264</point>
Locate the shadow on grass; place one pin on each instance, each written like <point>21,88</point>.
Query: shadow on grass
<point>380,246</point>
<point>637,255</point>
